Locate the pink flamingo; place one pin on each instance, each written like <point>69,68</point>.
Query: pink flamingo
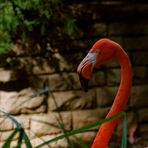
<point>102,51</point>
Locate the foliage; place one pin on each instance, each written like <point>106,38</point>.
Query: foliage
<point>35,23</point>
<point>23,135</point>
<point>19,129</point>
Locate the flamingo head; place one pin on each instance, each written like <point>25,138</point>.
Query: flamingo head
<point>100,53</point>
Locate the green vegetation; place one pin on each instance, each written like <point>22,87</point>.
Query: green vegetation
<point>35,23</point>
<point>66,134</point>
<point>23,136</point>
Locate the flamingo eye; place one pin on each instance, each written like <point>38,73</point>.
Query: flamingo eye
<point>98,51</point>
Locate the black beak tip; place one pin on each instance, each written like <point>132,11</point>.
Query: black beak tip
<point>84,83</point>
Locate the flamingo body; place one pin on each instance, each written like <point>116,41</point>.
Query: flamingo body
<point>102,51</point>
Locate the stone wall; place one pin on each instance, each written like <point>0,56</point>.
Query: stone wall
<point>20,86</point>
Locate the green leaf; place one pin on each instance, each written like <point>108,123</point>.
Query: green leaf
<point>18,128</point>
<point>4,47</point>
<point>26,139</point>
<point>18,125</point>
<point>70,26</point>
<point>83,129</point>
<point>19,142</point>
<point>124,132</point>
<point>82,144</point>
<point>7,144</point>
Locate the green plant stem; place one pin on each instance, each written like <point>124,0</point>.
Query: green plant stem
<point>84,129</point>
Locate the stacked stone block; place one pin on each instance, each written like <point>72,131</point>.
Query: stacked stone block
<point>65,101</point>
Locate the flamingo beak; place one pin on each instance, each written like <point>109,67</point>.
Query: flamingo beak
<point>84,82</point>
<point>85,69</point>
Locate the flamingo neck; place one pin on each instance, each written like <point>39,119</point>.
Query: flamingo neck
<point>105,132</point>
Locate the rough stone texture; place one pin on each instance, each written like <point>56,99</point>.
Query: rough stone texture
<point>71,100</point>
<point>138,28</point>
<point>86,137</point>
<point>42,68</point>
<point>139,96</point>
<point>113,76</point>
<point>140,58</point>
<point>105,95</point>
<point>99,28</point>
<point>98,78</point>
<point>143,129</point>
<point>5,124</point>
<point>45,66</point>
<point>140,74</point>
<point>84,117</point>
<point>7,75</point>
<point>43,124</point>
<point>112,63</point>
<point>24,121</point>
<point>4,135</point>
<point>143,114</point>
<point>21,102</point>
<point>62,81</point>
<point>134,44</point>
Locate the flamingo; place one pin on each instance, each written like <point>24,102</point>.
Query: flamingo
<point>102,51</point>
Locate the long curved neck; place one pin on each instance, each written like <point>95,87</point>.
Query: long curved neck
<point>104,134</point>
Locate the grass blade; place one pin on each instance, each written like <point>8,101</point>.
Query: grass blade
<point>17,129</point>
<point>61,123</point>
<point>83,129</point>
<point>26,139</point>
<point>124,132</point>
<point>19,142</point>
<point>12,118</point>
<point>7,144</point>
<point>82,144</point>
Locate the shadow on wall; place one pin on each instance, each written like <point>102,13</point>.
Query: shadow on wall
<point>27,68</point>
<point>13,80</point>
